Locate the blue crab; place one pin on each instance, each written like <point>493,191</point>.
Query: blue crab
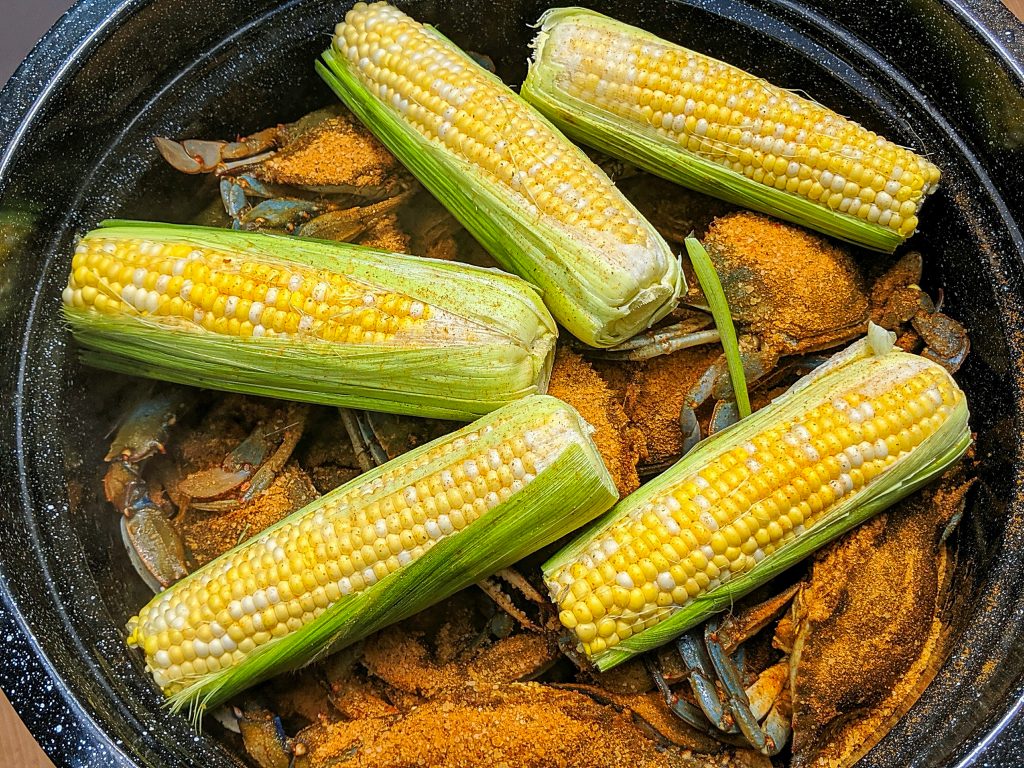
<point>778,313</point>
<point>832,692</point>
<point>152,500</point>
<point>325,176</point>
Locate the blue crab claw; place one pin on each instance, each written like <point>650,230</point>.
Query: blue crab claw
<point>759,714</point>
<point>279,214</point>
<point>736,695</point>
<point>154,547</point>
<point>232,194</point>
<point>203,156</point>
<point>174,152</point>
<point>142,431</point>
<point>192,155</point>
<point>250,468</point>
<point>725,414</point>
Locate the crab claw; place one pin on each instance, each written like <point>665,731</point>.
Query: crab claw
<point>154,547</point>
<point>181,158</point>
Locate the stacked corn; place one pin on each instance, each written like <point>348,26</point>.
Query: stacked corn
<point>871,426</point>
<point>306,320</point>
<point>534,200</point>
<point>713,127</point>
<point>382,547</point>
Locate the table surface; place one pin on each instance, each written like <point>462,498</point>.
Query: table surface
<point>25,22</point>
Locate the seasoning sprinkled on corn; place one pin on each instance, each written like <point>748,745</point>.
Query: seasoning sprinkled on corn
<point>306,320</point>
<point>534,200</point>
<point>843,443</point>
<point>713,127</point>
<point>382,547</point>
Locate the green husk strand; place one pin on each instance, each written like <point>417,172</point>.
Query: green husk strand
<point>597,300</point>
<point>507,354</point>
<point>659,154</point>
<point>719,305</point>
<point>868,357</point>
<point>568,492</point>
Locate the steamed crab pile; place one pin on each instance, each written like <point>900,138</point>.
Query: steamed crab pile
<point>811,670</point>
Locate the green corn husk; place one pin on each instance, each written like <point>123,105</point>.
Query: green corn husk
<point>493,341</point>
<point>599,288</point>
<point>569,488</point>
<point>719,306</point>
<point>868,363</point>
<point>664,151</point>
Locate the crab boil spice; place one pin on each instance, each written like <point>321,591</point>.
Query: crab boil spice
<point>384,546</point>
<point>861,432</point>
<point>575,381</point>
<point>306,320</point>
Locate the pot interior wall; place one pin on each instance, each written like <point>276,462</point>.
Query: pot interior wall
<point>239,67</point>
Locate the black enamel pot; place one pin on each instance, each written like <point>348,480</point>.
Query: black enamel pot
<point>75,128</point>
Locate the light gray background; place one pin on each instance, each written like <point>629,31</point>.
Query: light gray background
<point>22,23</point>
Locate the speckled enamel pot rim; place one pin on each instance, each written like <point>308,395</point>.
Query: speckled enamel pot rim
<point>74,127</point>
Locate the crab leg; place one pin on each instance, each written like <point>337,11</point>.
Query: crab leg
<point>349,223</point>
<point>154,548</point>
<point>760,710</point>
<point>736,695</point>
<point>493,590</point>
<point>715,382</point>
<point>663,341</point>
<point>701,673</point>
<point>680,707</point>
<point>369,453</point>
<point>280,214</point>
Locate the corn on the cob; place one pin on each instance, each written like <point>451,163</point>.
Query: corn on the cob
<point>842,444</point>
<point>306,320</point>
<point>380,548</point>
<point>535,201</point>
<point>713,127</point>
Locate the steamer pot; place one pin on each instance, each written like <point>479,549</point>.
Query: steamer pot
<point>75,127</point>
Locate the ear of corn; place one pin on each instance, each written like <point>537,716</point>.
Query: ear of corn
<point>715,128</point>
<point>306,320</point>
<point>534,200</point>
<point>870,427</point>
<point>378,549</point>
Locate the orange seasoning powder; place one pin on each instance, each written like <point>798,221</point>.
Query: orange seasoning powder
<point>576,382</point>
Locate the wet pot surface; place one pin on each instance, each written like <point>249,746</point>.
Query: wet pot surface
<point>76,123</point>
